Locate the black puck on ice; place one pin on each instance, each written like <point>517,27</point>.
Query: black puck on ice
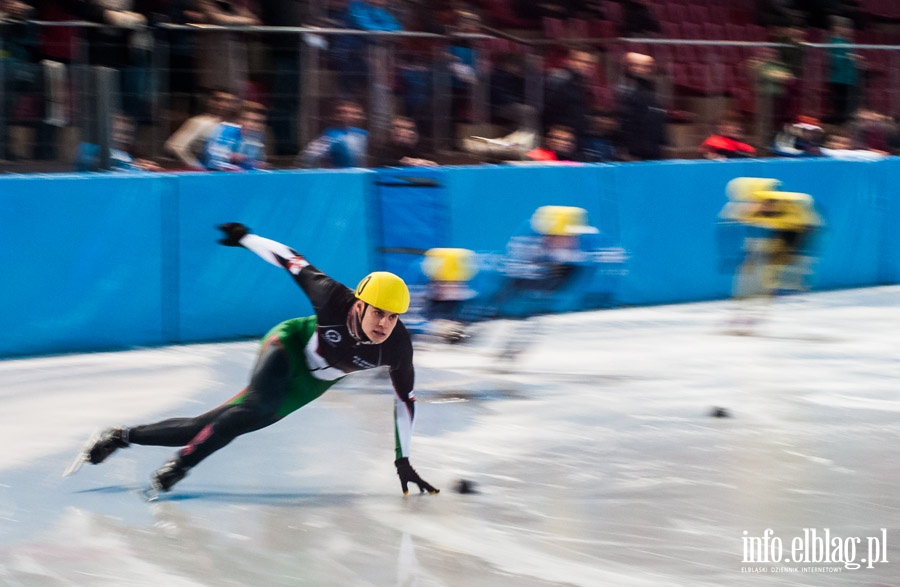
<point>720,413</point>
<point>465,486</point>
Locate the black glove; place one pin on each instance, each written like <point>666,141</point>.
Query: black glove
<point>234,232</point>
<point>408,475</point>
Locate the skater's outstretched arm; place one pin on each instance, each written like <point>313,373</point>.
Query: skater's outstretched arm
<point>318,286</point>
<point>280,255</point>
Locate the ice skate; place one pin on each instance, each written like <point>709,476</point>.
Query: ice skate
<point>164,478</point>
<point>98,448</point>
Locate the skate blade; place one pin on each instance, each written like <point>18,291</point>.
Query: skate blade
<point>83,455</point>
<point>149,493</point>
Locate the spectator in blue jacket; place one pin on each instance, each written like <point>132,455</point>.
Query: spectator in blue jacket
<point>241,146</point>
<point>343,145</point>
<point>372,15</point>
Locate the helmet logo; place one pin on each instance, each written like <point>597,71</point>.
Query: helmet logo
<point>362,285</point>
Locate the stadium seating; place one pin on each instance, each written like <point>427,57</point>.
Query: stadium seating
<point>720,69</point>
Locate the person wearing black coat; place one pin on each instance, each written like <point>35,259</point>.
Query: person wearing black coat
<point>641,118</point>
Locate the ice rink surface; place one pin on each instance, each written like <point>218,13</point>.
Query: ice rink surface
<point>595,457</point>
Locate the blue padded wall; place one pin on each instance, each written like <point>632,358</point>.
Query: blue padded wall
<point>81,263</point>
<point>98,261</point>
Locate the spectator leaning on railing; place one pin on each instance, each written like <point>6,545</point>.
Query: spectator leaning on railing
<point>727,142</point>
<point>402,147</point>
<point>189,141</point>
<point>342,145</point>
<point>559,144</point>
<point>241,146</point>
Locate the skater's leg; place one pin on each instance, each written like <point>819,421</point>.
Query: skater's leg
<point>174,431</point>
<point>257,408</point>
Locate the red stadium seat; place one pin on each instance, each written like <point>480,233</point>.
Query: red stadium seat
<point>496,45</point>
<point>698,79</point>
<point>684,53</point>
<point>719,14</point>
<point>692,30</point>
<point>602,29</point>
<point>757,33</point>
<point>697,13</point>
<point>731,54</point>
<point>670,29</point>
<point>643,48</point>
<point>577,28</point>
<point>745,100</point>
<point>736,32</point>
<point>553,28</point>
<point>715,32</point>
<point>503,14</point>
<point>664,55</point>
<point>613,11</point>
<point>681,74</point>
<point>671,12</point>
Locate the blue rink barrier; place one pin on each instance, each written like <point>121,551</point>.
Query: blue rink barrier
<point>98,261</point>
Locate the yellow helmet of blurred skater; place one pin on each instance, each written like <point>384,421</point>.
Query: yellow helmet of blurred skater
<point>782,211</point>
<point>743,188</point>
<point>385,291</point>
<point>560,221</point>
<point>448,264</point>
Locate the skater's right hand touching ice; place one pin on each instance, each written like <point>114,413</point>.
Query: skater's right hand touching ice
<point>234,232</point>
<point>408,475</point>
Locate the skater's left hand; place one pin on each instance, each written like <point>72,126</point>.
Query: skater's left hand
<point>408,475</point>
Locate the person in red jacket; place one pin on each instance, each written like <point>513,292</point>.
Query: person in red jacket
<point>559,145</point>
<point>727,142</point>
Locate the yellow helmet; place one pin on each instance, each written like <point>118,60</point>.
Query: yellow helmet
<point>384,291</point>
<point>783,211</point>
<point>560,221</point>
<point>743,188</point>
<point>447,264</point>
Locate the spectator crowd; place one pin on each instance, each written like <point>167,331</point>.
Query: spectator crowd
<point>227,116</point>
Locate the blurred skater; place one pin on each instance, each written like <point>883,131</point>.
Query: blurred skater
<point>548,263</point>
<point>547,257</point>
<point>442,293</point>
<point>299,360</point>
<point>778,232</point>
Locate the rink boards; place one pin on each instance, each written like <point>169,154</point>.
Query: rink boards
<point>106,262</point>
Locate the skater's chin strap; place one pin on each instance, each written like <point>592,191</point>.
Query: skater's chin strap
<point>354,325</point>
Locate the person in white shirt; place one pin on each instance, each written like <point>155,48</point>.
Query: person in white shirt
<point>187,143</point>
<point>839,146</point>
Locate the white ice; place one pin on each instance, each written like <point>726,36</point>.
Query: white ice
<point>593,451</point>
